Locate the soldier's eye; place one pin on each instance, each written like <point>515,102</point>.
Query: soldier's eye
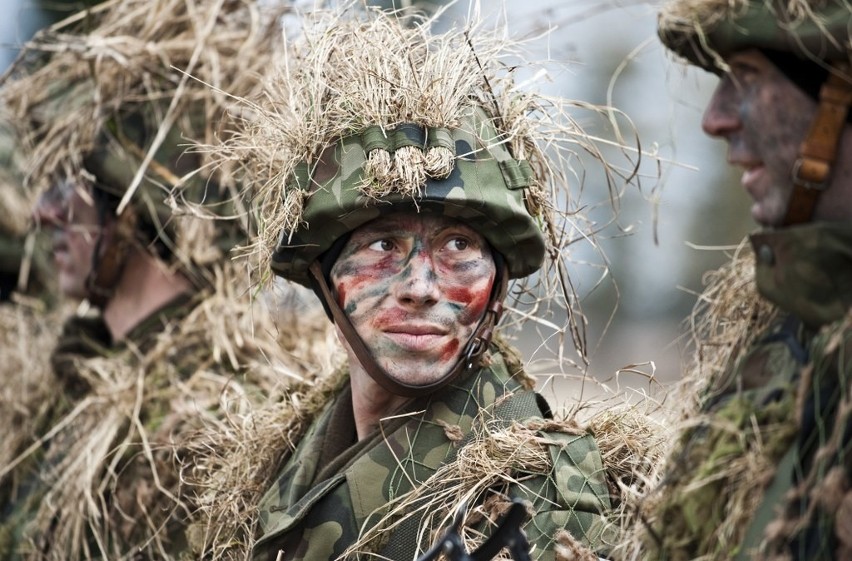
<point>458,244</point>
<point>382,245</point>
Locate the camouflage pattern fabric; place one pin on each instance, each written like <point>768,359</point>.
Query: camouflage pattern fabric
<point>83,339</point>
<point>332,488</point>
<point>807,271</point>
<point>704,32</point>
<point>774,446</point>
<point>106,483</point>
<point>485,190</point>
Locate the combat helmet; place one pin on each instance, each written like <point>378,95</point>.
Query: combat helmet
<point>809,41</point>
<point>113,97</point>
<point>372,113</point>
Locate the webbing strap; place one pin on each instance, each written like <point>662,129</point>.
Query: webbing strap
<point>818,152</point>
<point>109,257</point>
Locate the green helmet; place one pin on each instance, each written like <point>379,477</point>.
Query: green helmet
<point>406,121</point>
<point>484,190</point>
<point>118,154</point>
<point>109,159</point>
<point>110,99</point>
<point>706,31</point>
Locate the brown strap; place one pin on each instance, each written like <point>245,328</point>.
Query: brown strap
<point>109,258</point>
<point>819,149</point>
<point>469,359</point>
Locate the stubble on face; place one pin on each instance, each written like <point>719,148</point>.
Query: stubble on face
<point>764,118</point>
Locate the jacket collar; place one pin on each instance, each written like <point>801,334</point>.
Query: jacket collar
<point>807,270</point>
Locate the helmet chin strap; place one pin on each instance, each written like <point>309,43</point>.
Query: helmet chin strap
<point>818,152</point>
<point>109,257</point>
<point>468,360</point>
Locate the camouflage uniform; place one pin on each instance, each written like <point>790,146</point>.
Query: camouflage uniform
<point>83,339</point>
<point>770,447</point>
<point>783,403</point>
<point>412,124</point>
<point>333,487</point>
<point>99,473</point>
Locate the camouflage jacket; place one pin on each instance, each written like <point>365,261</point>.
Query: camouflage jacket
<point>334,489</point>
<point>765,471</point>
<point>83,346</point>
<point>106,481</point>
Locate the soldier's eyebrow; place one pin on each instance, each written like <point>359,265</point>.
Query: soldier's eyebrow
<point>391,227</point>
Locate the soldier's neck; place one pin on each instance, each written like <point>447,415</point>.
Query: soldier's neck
<point>146,284</point>
<point>370,402</point>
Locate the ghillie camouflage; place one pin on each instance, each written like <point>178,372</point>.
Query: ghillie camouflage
<point>484,438</point>
<point>761,468</point>
<point>101,478</point>
<point>113,97</point>
<point>705,31</point>
<point>23,263</point>
<point>370,113</point>
<point>94,469</point>
<point>753,470</point>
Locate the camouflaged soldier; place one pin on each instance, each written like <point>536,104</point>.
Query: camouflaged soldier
<point>400,178</point>
<point>173,340</point>
<point>764,472</point>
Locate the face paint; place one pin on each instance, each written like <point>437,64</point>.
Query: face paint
<point>68,210</point>
<point>415,287</point>
<point>764,118</point>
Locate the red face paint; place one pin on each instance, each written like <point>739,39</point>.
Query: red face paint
<point>415,287</point>
<point>450,351</point>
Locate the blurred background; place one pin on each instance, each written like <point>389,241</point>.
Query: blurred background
<point>688,211</point>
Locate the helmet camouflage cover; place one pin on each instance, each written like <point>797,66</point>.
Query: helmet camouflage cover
<point>705,31</point>
<point>109,97</point>
<point>485,190</point>
<point>370,112</point>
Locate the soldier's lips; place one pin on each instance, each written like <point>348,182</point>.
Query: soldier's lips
<point>416,337</point>
<point>754,184</point>
<point>60,250</point>
<point>751,176</point>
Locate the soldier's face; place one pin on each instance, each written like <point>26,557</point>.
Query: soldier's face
<point>68,210</point>
<point>764,118</point>
<point>415,287</point>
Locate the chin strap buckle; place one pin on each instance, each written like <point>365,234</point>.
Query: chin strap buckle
<point>818,152</point>
<point>474,350</point>
<point>810,173</point>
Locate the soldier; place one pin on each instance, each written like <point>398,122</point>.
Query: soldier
<point>170,340</point>
<point>763,471</point>
<point>400,177</point>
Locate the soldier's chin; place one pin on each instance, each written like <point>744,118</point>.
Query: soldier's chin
<point>416,373</point>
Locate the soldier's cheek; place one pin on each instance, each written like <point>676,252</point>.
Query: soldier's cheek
<point>470,301</point>
<point>450,351</point>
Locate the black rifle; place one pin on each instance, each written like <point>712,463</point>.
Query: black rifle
<point>508,534</point>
